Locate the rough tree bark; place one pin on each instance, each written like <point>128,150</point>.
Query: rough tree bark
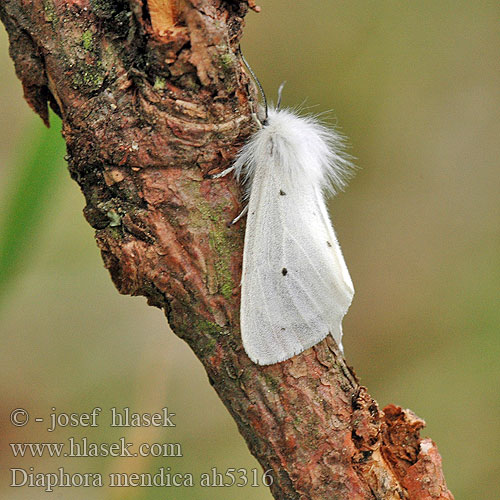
<point>153,95</point>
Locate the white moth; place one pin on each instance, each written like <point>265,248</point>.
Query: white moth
<point>295,286</point>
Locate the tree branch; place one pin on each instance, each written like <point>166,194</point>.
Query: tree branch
<point>153,96</point>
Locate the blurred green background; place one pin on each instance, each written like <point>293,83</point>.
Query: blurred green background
<point>415,87</point>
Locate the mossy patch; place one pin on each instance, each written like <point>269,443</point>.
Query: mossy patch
<point>224,248</point>
<point>213,330</point>
<point>104,7</point>
<point>88,76</point>
<point>227,63</point>
<point>160,83</point>
<point>49,11</point>
<point>87,39</point>
<point>220,240</point>
<point>210,346</point>
<point>208,327</point>
<point>227,60</point>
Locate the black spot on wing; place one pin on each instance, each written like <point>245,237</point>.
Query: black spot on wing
<point>328,243</point>
<point>284,271</point>
<point>282,193</point>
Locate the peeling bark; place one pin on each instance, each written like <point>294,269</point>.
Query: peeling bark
<point>153,96</point>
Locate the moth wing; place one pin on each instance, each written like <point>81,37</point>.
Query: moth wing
<point>295,285</point>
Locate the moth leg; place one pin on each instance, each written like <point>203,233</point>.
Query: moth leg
<point>242,213</point>
<point>255,117</point>
<point>254,113</point>
<point>220,174</point>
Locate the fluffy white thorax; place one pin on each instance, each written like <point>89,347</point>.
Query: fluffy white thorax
<point>306,149</point>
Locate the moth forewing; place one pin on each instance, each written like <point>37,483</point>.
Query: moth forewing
<point>295,285</point>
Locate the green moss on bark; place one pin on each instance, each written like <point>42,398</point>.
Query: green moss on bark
<point>221,238</point>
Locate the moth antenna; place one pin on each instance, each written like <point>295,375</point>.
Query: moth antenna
<point>256,80</point>
<point>280,91</point>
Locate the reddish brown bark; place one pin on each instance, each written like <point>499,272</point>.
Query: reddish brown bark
<point>153,96</point>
